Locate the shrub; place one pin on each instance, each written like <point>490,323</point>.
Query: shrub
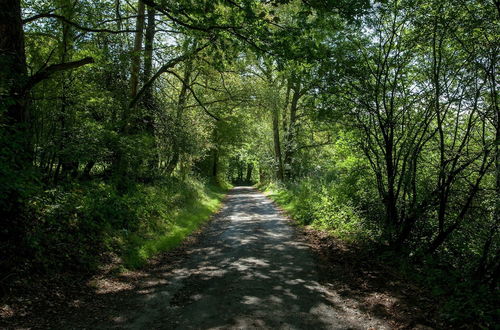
<point>315,203</point>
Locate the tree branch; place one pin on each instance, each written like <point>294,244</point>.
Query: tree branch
<point>194,95</point>
<point>46,72</point>
<point>167,13</point>
<point>76,25</point>
<point>170,64</point>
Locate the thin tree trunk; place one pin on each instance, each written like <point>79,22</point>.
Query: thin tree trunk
<point>88,168</point>
<point>148,98</point>
<point>291,133</point>
<point>215,163</point>
<point>390,200</point>
<point>69,166</point>
<point>148,68</point>
<point>277,146</point>
<point>249,172</point>
<point>496,108</point>
<point>444,234</point>
<point>240,171</point>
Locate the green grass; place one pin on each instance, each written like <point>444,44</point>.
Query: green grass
<point>317,206</point>
<point>77,224</point>
<point>175,225</point>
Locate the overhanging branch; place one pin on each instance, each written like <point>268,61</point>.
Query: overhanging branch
<point>74,24</point>
<point>170,64</point>
<point>46,72</point>
<point>194,95</point>
<point>167,13</point>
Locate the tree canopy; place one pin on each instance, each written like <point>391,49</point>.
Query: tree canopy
<point>378,119</point>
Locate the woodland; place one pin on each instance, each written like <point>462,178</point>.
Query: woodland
<point>124,122</point>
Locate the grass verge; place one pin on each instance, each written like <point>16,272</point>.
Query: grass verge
<point>195,207</point>
<point>459,301</point>
<point>313,206</point>
<point>74,227</point>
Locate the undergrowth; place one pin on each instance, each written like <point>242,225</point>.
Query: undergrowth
<point>76,226</point>
<point>318,206</point>
<point>462,302</point>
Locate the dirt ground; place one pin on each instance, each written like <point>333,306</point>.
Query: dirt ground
<point>249,268</point>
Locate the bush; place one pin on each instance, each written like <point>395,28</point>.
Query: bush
<point>317,204</point>
<point>325,206</point>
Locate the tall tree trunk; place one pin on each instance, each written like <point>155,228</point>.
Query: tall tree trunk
<point>13,71</point>
<point>15,135</point>
<point>121,163</point>
<point>285,106</point>
<point>390,199</point>
<point>136,56</point>
<point>135,65</point>
<point>148,99</point>
<point>181,105</point>
<point>496,115</point>
<point>69,166</point>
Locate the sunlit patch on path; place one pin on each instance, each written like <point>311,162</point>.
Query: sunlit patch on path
<point>249,271</point>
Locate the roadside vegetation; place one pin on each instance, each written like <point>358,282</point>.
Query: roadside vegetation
<point>341,208</point>
<point>122,124</point>
<point>74,227</point>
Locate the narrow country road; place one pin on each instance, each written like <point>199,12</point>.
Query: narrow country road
<point>249,271</point>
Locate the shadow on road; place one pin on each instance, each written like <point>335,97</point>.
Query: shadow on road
<point>249,269</point>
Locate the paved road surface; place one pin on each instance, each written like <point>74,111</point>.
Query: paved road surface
<point>250,271</point>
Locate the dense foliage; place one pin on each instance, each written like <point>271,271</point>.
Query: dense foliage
<point>375,120</point>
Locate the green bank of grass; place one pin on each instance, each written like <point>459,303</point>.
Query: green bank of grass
<point>75,226</point>
<point>310,204</point>
<point>195,207</point>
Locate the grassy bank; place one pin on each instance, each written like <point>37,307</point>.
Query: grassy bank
<point>76,227</point>
<point>190,210</point>
<point>312,205</point>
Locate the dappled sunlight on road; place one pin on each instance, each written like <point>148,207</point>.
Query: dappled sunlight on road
<point>249,271</point>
